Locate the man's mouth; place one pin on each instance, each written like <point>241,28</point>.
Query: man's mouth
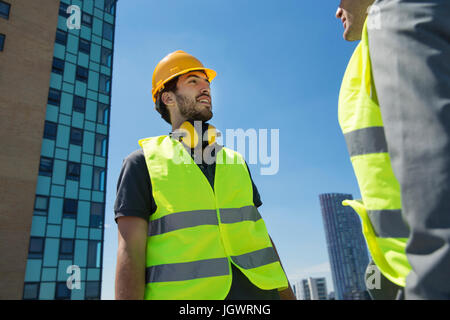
<point>204,99</point>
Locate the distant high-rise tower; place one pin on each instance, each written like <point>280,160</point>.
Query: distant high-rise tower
<point>55,96</point>
<point>346,247</point>
<point>311,289</point>
<point>302,290</point>
<point>318,288</point>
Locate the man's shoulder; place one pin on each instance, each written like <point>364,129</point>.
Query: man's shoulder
<point>134,164</point>
<point>135,158</point>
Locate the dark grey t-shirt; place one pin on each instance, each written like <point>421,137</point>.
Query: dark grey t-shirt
<point>134,198</point>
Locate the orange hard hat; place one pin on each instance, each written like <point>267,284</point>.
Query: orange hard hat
<point>173,65</point>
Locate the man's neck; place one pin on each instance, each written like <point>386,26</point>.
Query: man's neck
<point>197,124</point>
<point>177,124</point>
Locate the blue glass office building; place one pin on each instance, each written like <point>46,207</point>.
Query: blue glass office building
<point>347,249</point>
<point>68,219</point>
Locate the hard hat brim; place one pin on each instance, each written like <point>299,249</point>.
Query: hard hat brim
<point>211,74</point>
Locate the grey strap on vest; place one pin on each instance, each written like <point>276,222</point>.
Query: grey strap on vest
<point>188,219</point>
<point>208,268</point>
<point>388,223</point>
<point>256,258</point>
<point>182,220</point>
<point>366,141</point>
<point>248,213</point>
<point>188,270</point>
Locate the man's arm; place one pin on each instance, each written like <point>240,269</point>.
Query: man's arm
<point>130,269</point>
<point>286,294</point>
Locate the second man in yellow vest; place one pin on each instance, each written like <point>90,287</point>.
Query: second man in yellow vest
<point>394,110</point>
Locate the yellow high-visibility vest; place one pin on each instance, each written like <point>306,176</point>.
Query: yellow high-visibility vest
<point>380,210</point>
<point>197,232</point>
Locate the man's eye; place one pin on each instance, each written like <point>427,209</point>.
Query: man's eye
<point>193,80</point>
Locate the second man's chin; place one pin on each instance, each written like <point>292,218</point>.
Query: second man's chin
<point>351,35</point>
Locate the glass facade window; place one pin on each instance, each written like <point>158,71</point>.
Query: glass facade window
<point>62,292</point>
<point>41,204</point>
<point>100,145</point>
<point>63,10</point>
<point>58,66</point>
<point>54,97</point>
<point>76,136</point>
<point>96,218</point>
<point>94,250</point>
<point>103,113</point>
<point>106,57</point>
<point>61,37</point>
<point>86,20</point>
<point>99,179</point>
<point>31,291</point>
<point>73,171</point>
<point>2,41</point>
<point>46,166</point>
<point>110,6</point>
<point>82,74</point>
<point>84,46</point>
<point>50,129</point>
<point>4,9</point>
<point>108,31</point>
<point>70,208</point>
<point>92,290</point>
<point>66,249</point>
<point>79,104</point>
<point>105,84</point>
<point>36,248</point>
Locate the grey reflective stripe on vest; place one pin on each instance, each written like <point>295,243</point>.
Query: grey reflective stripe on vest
<point>256,258</point>
<point>388,223</point>
<point>188,219</point>
<point>188,270</point>
<point>248,213</point>
<point>181,220</point>
<point>208,268</point>
<point>366,141</point>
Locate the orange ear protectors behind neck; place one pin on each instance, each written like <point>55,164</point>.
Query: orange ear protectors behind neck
<point>192,135</point>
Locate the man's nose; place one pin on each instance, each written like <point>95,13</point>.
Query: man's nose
<point>205,88</point>
<point>339,13</point>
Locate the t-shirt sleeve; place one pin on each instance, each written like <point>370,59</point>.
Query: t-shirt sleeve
<point>256,197</point>
<point>134,191</point>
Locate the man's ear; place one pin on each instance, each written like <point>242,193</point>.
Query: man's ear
<point>168,98</point>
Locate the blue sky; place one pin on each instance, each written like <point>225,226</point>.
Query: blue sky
<point>279,66</point>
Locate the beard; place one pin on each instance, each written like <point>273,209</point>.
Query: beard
<point>193,110</point>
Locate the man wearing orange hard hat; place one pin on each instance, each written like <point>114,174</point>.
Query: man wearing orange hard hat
<point>189,227</point>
